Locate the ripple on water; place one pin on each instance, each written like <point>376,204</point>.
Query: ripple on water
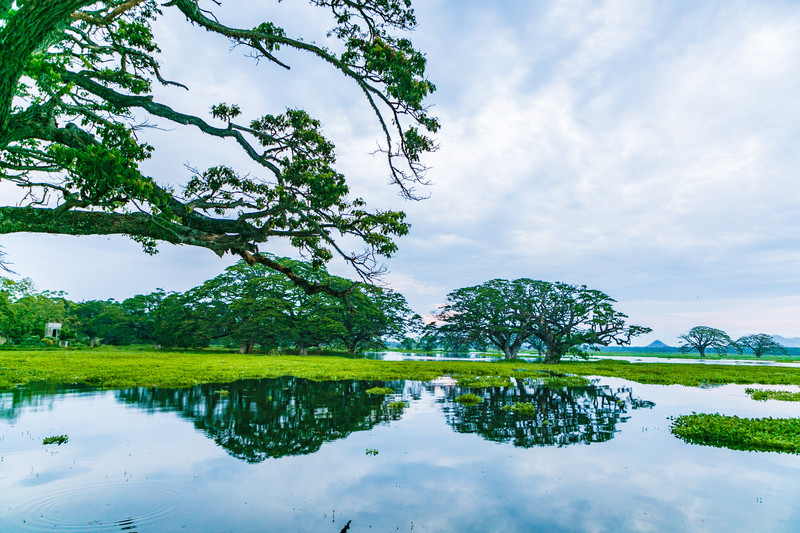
<point>120,506</point>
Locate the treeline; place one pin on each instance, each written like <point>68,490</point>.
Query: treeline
<point>247,306</point>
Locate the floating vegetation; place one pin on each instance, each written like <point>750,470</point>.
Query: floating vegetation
<point>398,405</point>
<point>752,434</point>
<point>55,439</point>
<point>380,390</point>
<point>371,451</point>
<point>521,408</point>
<point>763,395</point>
<point>482,382</point>
<point>469,399</point>
<point>560,382</point>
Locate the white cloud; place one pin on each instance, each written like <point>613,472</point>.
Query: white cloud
<point>647,149</point>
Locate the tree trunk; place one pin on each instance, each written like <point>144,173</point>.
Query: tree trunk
<point>702,351</point>
<point>304,350</point>
<point>247,347</point>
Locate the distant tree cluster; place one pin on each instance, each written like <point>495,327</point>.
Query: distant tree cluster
<point>704,338</point>
<point>249,306</point>
<point>553,318</point>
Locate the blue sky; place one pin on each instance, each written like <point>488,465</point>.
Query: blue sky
<point>646,149</point>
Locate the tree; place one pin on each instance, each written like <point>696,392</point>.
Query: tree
<point>180,322</point>
<point>701,338</point>
<point>140,310</point>
<point>77,75</point>
<point>760,344</point>
<point>564,317</point>
<point>24,311</point>
<point>371,313</point>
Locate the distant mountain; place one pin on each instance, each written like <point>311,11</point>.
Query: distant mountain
<point>659,344</point>
<point>790,342</point>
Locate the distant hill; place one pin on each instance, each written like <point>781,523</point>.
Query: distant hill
<point>657,344</point>
<point>789,342</point>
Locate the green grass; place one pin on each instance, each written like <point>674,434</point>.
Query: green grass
<point>763,395</point>
<point>119,367</point>
<point>752,434</point>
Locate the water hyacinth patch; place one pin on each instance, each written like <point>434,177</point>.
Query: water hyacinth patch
<point>56,439</point>
<point>469,399</point>
<point>763,395</point>
<point>380,390</point>
<point>482,382</point>
<point>752,434</point>
<point>521,408</point>
<point>560,382</point>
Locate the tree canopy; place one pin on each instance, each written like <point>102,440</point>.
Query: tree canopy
<point>760,344</point>
<point>702,338</point>
<point>76,87</point>
<point>510,313</point>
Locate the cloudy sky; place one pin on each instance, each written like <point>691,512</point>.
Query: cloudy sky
<point>647,149</point>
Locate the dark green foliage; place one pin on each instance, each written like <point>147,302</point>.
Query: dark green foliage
<point>257,420</point>
<point>508,314</point>
<point>702,338</point>
<point>76,72</point>
<point>760,344</point>
<point>533,414</point>
<point>752,434</point>
<point>24,311</point>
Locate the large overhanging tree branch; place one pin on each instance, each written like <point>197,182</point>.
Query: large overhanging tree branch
<point>75,73</point>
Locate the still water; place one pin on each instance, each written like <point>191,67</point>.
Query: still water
<point>293,455</point>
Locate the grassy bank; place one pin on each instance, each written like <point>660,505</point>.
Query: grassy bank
<point>109,367</point>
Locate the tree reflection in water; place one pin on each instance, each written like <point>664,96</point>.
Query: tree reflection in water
<point>257,419</point>
<point>562,416</point>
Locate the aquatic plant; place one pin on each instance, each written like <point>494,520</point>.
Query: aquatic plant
<point>55,439</point>
<point>398,405</point>
<point>763,395</point>
<point>521,408</point>
<point>752,434</point>
<point>559,382</point>
<point>482,382</point>
<point>469,399</point>
<point>371,451</point>
<point>380,390</point>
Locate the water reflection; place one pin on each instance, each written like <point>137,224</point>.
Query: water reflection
<point>562,416</point>
<point>35,396</point>
<point>257,419</point>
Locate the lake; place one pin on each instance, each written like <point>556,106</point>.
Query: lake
<point>293,455</point>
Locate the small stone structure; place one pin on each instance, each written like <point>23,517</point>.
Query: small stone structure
<point>52,330</point>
